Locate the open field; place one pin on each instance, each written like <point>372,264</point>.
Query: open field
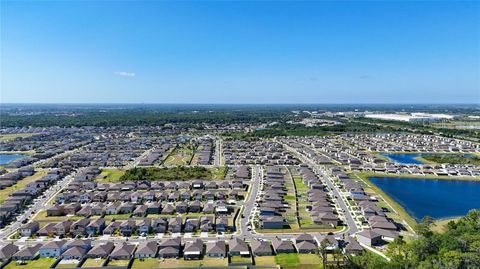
<point>450,158</point>
<point>9,137</point>
<point>42,263</point>
<point>181,155</point>
<point>20,184</point>
<point>110,175</point>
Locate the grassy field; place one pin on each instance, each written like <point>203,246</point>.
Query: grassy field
<point>42,217</point>
<point>40,263</point>
<point>296,260</point>
<point>395,206</point>
<point>110,175</point>
<point>450,158</point>
<point>182,155</point>
<point>441,224</point>
<point>93,263</point>
<point>175,263</point>
<point>20,184</point>
<point>9,137</point>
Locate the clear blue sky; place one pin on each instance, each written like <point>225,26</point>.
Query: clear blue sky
<point>240,52</point>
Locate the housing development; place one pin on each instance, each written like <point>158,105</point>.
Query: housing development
<point>224,194</point>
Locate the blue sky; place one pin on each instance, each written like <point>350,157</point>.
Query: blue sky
<point>240,52</point>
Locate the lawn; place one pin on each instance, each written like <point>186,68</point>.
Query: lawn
<point>240,260</point>
<point>9,137</point>
<point>264,260</point>
<point>93,263</point>
<point>42,217</point>
<point>110,175</point>
<point>39,263</point>
<point>295,260</point>
<point>118,262</point>
<point>20,184</point>
<point>299,185</point>
<point>67,264</point>
<point>175,263</point>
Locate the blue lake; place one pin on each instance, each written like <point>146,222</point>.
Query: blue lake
<point>408,158</point>
<point>435,198</point>
<point>6,158</point>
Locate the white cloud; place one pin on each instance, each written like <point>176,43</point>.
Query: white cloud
<point>124,74</point>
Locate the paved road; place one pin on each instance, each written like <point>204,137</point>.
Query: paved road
<point>249,206</point>
<point>217,158</point>
<point>352,226</point>
<point>38,205</point>
<point>137,160</point>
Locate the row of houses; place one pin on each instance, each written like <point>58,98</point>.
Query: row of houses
<point>189,249</point>
<point>259,152</point>
<point>130,226</point>
<point>11,178</point>
<point>18,200</point>
<point>381,227</point>
<point>403,142</point>
<point>158,155</point>
<point>321,208</point>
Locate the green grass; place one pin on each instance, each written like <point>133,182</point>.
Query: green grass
<point>42,217</point>
<point>264,260</point>
<point>181,155</point>
<point>176,263</point>
<point>299,185</point>
<point>118,262</point>
<point>289,198</point>
<point>110,175</point>
<point>174,173</point>
<point>93,263</point>
<point>296,260</point>
<point>240,260</point>
<point>66,265</point>
<point>10,137</point>
<point>20,185</point>
<point>218,172</point>
<point>39,263</point>
<point>373,174</point>
<point>441,224</point>
<point>450,158</point>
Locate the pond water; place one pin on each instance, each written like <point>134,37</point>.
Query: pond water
<point>432,197</point>
<point>6,158</point>
<point>408,158</point>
